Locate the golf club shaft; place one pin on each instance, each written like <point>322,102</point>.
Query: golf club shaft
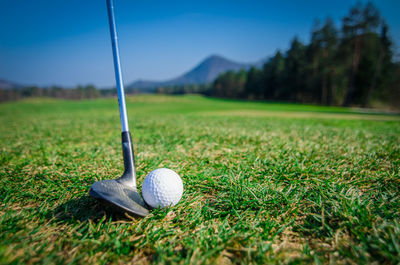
<point>129,176</point>
<point>117,67</point>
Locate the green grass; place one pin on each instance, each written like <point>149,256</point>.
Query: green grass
<point>263,183</point>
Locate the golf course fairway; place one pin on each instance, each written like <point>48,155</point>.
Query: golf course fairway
<point>263,182</point>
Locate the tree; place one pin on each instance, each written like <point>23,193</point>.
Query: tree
<point>294,71</point>
<point>273,76</point>
<point>254,84</point>
<point>323,51</point>
<point>384,61</point>
<point>230,84</point>
<point>356,25</point>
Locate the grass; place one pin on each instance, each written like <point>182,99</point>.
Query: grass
<point>263,183</point>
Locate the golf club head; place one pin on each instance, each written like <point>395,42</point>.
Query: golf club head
<point>122,192</point>
<point>125,198</point>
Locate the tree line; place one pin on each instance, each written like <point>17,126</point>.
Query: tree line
<point>79,92</point>
<point>352,65</point>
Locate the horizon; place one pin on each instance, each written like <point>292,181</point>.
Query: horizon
<point>157,42</point>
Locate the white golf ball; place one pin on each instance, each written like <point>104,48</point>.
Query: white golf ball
<point>162,187</point>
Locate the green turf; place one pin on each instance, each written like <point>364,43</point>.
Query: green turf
<point>263,183</point>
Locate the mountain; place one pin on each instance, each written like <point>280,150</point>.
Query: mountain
<point>208,70</point>
<point>205,72</point>
<point>144,85</point>
<point>7,85</point>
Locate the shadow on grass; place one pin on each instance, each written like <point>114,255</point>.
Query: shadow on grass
<point>85,208</point>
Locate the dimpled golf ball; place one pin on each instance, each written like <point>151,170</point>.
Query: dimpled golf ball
<point>162,187</point>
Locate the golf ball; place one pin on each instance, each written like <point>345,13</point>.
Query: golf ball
<point>162,187</point>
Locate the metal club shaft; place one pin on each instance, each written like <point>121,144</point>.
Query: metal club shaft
<point>117,67</point>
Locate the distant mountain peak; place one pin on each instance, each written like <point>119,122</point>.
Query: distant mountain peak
<point>204,72</point>
<point>215,57</point>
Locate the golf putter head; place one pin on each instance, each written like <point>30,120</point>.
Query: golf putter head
<point>122,193</point>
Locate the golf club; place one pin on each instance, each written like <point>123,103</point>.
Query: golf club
<point>121,192</point>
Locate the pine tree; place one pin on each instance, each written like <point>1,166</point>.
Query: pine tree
<point>361,21</point>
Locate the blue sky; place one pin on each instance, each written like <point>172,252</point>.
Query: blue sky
<point>66,42</point>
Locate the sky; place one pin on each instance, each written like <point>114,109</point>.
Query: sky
<point>67,42</point>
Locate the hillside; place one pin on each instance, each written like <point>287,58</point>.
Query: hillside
<point>205,72</point>
<point>7,85</point>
